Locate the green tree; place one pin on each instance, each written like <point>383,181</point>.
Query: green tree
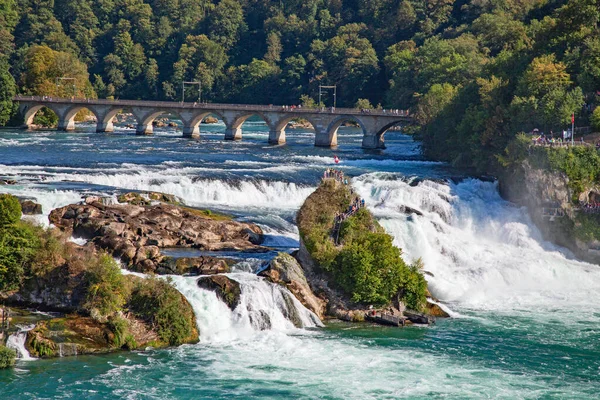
<point>226,23</point>
<point>7,92</point>
<point>108,291</point>
<point>595,119</point>
<point>347,60</point>
<point>43,65</point>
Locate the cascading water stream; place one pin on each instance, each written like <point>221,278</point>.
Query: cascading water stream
<point>263,306</point>
<point>16,341</point>
<point>483,252</point>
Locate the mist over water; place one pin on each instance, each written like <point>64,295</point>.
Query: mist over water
<point>527,322</point>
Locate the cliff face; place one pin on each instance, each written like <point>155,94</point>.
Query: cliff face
<point>549,201</point>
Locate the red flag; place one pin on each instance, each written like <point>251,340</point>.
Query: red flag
<point>572,118</point>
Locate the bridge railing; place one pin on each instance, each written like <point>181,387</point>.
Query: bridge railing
<point>215,106</point>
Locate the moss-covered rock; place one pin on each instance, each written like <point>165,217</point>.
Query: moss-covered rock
<point>226,289</point>
<point>356,256</point>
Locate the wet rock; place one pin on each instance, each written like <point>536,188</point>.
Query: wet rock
<point>226,289</point>
<point>409,210</point>
<point>286,271</point>
<point>29,207</point>
<point>435,310</point>
<point>260,320</point>
<point>210,120</point>
<point>8,182</point>
<point>136,232</point>
<point>202,265</point>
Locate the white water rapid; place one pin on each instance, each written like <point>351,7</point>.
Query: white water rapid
<point>263,306</point>
<point>16,341</point>
<point>483,252</point>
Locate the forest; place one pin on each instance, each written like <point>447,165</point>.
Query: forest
<point>474,73</point>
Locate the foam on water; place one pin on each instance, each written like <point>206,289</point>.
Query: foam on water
<point>484,252</point>
<point>263,306</point>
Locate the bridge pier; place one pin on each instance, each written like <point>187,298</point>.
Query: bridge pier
<point>144,129</point>
<point>66,124</point>
<point>325,139</point>
<point>373,142</point>
<point>233,133</point>
<point>277,136</point>
<point>191,131</point>
<point>104,127</point>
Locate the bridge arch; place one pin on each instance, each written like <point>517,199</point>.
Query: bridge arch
<point>380,134</point>
<point>331,133</point>
<point>145,119</point>
<point>29,112</point>
<point>277,130</point>
<point>234,129</point>
<point>69,114</point>
<point>191,127</point>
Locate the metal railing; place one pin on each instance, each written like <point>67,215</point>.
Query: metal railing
<point>216,106</point>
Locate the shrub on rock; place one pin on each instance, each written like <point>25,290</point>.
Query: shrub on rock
<point>7,357</point>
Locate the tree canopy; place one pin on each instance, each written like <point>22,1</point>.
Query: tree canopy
<point>483,70</point>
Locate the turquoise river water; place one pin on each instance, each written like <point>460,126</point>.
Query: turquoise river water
<point>526,321</point>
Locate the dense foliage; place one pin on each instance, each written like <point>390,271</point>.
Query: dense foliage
<point>158,302</point>
<point>366,264</point>
<point>30,251</point>
<point>108,290</point>
<point>475,72</point>
<point>7,357</point>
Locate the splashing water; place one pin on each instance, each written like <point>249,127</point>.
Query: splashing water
<point>484,253</point>
<point>16,341</point>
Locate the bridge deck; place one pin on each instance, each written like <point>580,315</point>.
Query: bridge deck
<point>213,106</point>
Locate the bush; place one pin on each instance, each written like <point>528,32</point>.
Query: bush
<point>123,338</point>
<point>158,302</point>
<point>108,290</point>
<point>581,164</point>
<point>18,245</point>
<point>595,119</point>
<point>10,210</point>
<point>7,357</point>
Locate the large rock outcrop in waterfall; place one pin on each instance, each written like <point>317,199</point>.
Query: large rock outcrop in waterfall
<point>136,233</point>
<point>350,262</point>
<point>550,202</point>
<point>286,271</point>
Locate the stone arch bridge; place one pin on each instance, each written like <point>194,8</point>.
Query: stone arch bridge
<point>325,121</point>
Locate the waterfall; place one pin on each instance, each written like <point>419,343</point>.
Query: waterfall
<point>263,306</point>
<point>483,252</point>
<point>16,341</point>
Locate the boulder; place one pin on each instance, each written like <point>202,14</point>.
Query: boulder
<point>202,265</point>
<point>210,120</point>
<point>226,289</point>
<point>29,207</point>
<point>286,271</point>
<point>136,232</point>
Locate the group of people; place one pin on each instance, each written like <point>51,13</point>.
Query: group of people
<point>356,205</point>
<point>543,140</point>
<point>393,111</point>
<point>591,207</point>
<point>338,175</point>
<point>291,108</point>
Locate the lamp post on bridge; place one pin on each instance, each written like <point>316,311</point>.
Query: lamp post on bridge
<point>63,78</point>
<point>334,87</point>
<point>191,83</point>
